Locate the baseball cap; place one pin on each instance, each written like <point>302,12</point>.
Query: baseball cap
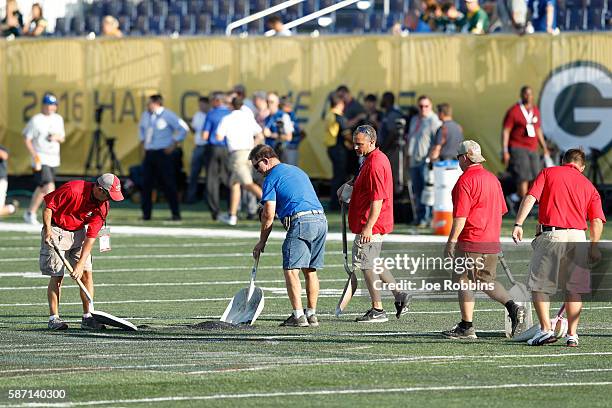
<point>49,99</point>
<point>472,150</point>
<point>111,183</point>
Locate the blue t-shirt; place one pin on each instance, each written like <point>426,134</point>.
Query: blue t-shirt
<point>213,118</point>
<point>538,14</point>
<point>291,189</point>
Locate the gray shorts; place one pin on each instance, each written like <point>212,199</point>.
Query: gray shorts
<point>524,164</point>
<point>304,245</point>
<point>365,254</point>
<point>46,175</point>
<point>70,244</point>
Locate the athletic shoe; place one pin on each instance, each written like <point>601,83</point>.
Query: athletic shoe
<point>228,219</point>
<point>459,332</point>
<point>57,324</point>
<point>373,316</point>
<point>30,218</point>
<point>541,338</point>
<point>517,317</point>
<point>402,305</point>
<point>293,322</point>
<point>313,321</point>
<point>572,341</point>
<point>90,323</point>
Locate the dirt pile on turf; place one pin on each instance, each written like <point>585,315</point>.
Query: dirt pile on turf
<point>218,325</point>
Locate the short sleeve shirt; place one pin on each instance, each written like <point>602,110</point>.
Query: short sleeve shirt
<point>38,130</point>
<point>374,182</point>
<point>478,197</point>
<point>516,122</point>
<point>3,165</point>
<point>567,198</point>
<point>291,189</point>
<point>74,206</point>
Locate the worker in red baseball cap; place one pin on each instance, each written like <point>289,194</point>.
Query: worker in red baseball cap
<point>75,215</point>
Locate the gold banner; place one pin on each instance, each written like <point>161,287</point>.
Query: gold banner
<point>480,76</point>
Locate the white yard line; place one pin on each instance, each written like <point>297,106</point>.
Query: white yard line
<point>170,256</point>
<point>589,370</point>
<point>309,393</point>
<point>530,365</point>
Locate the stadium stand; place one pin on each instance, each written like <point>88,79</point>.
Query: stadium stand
<point>210,17</point>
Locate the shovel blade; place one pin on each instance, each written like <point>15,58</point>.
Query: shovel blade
<point>110,320</point>
<point>243,309</point>
<point>521,296</point>
<point>350,287</point>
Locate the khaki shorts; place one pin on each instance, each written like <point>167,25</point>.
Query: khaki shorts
<point>560,262</point>
<point>70,243</point>
<point>365,254</point>
<point>240,167</point>
<point>478,267</point>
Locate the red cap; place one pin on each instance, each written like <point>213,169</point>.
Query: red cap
<point>112,185</point>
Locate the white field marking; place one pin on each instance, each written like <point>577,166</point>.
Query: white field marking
<point>589,370</point>
<point>530,365</point>
<point>90,368</point>
<point>123,246</point>
<point>285,394</point>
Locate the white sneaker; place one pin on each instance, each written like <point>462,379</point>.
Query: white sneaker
<point>228,219</point>
<point>542,338</point>
<point>30,218</point>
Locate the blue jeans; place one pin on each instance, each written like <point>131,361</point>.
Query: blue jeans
<point>304,245</point>
<point>417,176</point>
<point>199,159</point>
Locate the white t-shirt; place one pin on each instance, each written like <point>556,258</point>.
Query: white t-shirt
<point>197,124</point>
<point>239,128</point>
<point>38,130</point>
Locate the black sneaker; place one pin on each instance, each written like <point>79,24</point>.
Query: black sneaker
<point>91,324</point>
<point>57,324</point>
<point>459,332</point>
<point>293,322</point>
<point>542,338</point>
<point>373,316</point>
<point>517,317</point>
<point>401,305</point>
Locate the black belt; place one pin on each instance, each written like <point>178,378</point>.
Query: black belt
<point>548,228</point>
<point>55,225</point>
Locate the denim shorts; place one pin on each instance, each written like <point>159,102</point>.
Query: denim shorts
<point>304,245</point>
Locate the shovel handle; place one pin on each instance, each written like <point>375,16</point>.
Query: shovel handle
<point>69,267</point>
<point>506,268</point>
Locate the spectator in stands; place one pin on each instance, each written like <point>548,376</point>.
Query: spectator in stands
<point>354,114</point>
<point>543,15</point>
<point>240,91</point>
<point>13,21</point>
<point>476,20</point>
<point>448,137</point>
<point>199,157</point>
<point>216,171</point>
<point>337,134</point>
<point>431,14</point>
<point>240,130</point>
<point>43,135</point>
<point>291,148</point>
<point>4,208</point>
<point>518,15</point>
<point>261,107</point>
<point>421,133</point>
<point>276,23</point>
<point>160,132</point>
<point>37,25</point>
<point>449,22</point>
<point>373,115</point>
<point>278,128</point>
<point>397,29</point>
<point>389,135</point>
<point>414,24</point>
<point>110,27</point>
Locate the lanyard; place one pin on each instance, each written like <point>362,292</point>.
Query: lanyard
<point>528,115</point>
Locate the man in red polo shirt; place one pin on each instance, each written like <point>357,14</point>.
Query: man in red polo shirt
<point>478,207</point>
<point>521,134</point>
<point>561,252</point>
<point>370,218</point>
<point>69,210</point>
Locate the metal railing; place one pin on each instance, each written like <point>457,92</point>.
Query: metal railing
<point>232,26</point>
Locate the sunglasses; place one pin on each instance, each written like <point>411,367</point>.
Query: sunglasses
<point>424,106</point>
<point>256,165</point>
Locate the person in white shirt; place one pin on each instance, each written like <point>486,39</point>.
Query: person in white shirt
<point>241,132</point>
<point>42,137</point>
<point>199,155</point>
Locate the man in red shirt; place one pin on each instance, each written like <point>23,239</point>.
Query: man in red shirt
<point>69,209</point>
<point>561,252</point>
<point>370,218</point>
<point>521,134</point>
<point>478,207</point>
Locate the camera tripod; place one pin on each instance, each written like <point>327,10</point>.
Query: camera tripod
<point>96,157</point>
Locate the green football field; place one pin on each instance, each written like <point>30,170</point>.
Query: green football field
<point>169,283</point>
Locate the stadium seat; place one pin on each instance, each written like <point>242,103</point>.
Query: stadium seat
<point>225,8</point>
<point>259,5</point>
<point>241,7</point>
<point>177,7</point>
<point>77,26</point>
<point>140,26</point>
<point>188,26</point>
<point>143,8</point>
<point>194,7</point>
<point>349,21</point>
<point>219,24</point>
<point>295,10</point>
<point>203,24</point>
<point>156,25</point>
<point>61,28</point>
<point>309,7</point>
<point>256,27</point>
<point>376,22</point>
<point>159,8</point>
<point>127,8</point>
<point>398,6</point>
<point>325,3</point>
<point>172,24</point>
<point>92,24</point>
<point>125,24</point>
<point>209,6</point>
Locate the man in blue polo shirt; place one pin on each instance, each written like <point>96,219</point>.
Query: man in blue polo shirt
<point>288,192</point>
<point>216,170</point>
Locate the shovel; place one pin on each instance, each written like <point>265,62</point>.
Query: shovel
<point>247,303</point>
<point>101,317</point>
<point>558,324</point>
<point>517,291</point>
<point>350,287</point>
